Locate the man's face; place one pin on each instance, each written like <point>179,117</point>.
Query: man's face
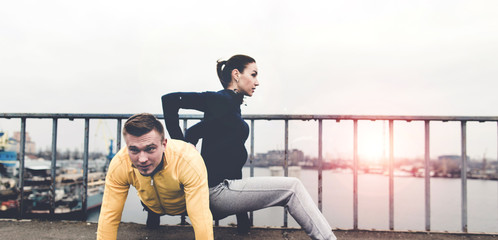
<point>146,151</point>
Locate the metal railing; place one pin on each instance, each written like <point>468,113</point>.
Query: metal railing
<point>286,118</point>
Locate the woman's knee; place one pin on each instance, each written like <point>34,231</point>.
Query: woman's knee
<point>290,184</point>
<point>293,182</point>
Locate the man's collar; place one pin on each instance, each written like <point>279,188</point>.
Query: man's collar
<point>159,167</point>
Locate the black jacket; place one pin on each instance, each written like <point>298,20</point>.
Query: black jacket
<point>223,131</point>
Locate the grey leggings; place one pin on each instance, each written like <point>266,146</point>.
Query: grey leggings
<point>250,194</point>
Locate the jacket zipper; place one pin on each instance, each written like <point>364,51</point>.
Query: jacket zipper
<point>157,194</point>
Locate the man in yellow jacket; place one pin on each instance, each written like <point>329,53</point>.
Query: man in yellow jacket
<point>169,175</point>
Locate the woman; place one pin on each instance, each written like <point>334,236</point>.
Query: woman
<point>223,133</point>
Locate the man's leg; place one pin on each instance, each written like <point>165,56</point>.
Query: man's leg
<point>153,219</point>
<point>250,194</point>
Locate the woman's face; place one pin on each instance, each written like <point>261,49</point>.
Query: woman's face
<point>247,80</point>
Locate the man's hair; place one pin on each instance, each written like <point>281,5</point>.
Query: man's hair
<point>142,123</point>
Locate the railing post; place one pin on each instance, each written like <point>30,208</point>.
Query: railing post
<point>355,176</point>
<point>391,175</point>
<point>118,135</point>
<point>251,162</point>
<point>320,165</point>
<point>85,170</point>
<point>183,217</point>
<point>185,125</point>
<point>464,176</point>
<point>251,157</point>
<point>53,167</point>
<point>427,177</point>
<point>21,167</point>
<point>286,149</point>
<point>286,161</point>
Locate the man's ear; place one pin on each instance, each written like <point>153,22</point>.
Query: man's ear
<point>164,142</point>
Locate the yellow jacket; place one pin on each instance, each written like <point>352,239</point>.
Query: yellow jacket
<point>181,185</point>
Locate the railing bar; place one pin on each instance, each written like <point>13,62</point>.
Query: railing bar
<point>85,170</point>
<point>427,177</point>
<point>251,157</point>
<point>286,152</point>
<point>183,217</point>
<point>464,176</point>
<point>286,161</point>
<point>185,126</point>
<point>22,167</point>
<point>118,135</point>
<point>355,176</point>
<point>53,166</point>
<point>251,161</point>
<point>391,175</point>
<point>320,165</point>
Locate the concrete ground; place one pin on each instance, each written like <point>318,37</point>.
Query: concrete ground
<point>44,229</point>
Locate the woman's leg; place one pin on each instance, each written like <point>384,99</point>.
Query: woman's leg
<point>250,194</point>
<point>243,223</point>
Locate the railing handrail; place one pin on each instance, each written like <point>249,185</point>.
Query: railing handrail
<point>303,117</point>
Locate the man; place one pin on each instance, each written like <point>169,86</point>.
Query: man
<point>169,175</point>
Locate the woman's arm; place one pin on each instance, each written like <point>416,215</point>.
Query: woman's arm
<point>194,133</point>
<point>172,103</point>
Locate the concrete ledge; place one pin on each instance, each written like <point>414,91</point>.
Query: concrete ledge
<point>43,229</point>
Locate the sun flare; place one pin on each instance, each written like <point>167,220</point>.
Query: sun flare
<point>372,147</point>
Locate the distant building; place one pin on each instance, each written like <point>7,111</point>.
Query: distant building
<point>277,157</point>
<point>29,147</point>
<point>449,164</point>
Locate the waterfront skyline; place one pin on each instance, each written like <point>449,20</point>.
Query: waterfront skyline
<point>334,147</point>
<point>314,57</point>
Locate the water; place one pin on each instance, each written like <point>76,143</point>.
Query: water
<point>373,203</point>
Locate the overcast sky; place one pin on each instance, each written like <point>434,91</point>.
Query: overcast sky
<point>314,57</point>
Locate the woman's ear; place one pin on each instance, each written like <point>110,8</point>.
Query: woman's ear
<point>235,74</point>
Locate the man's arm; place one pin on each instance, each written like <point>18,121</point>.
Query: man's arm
<point>193,176</point>
<point>115,193</point>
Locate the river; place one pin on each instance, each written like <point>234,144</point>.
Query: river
<point>373,203</point>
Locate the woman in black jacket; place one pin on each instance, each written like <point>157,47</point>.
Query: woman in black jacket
<point>224,132</point>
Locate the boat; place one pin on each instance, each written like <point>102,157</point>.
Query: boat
<point>72,184</point>
<point>8,185</point>
<point>68,190</point>
<point>8,153</point>
<point>37,183</point>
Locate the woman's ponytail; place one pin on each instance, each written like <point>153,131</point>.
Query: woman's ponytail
<point>219,69</point>
<point>225,68</point>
